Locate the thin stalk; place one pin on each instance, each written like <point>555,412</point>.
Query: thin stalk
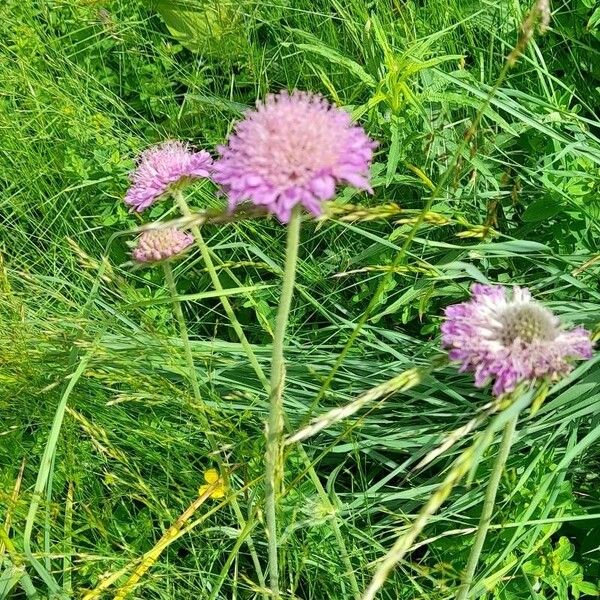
<point>185,339</point>
<point>189,359</point>
<point>404,543</point>
<point>275,424</point>
<point>207,258</point>
<point>68,544</point>
<point>227,565</point>
<point>47,520</point>
<point>206,252</point>
<point>488,508</point>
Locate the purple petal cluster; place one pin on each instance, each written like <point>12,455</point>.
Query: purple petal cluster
<point>163,167</point>
<point>161,244</point>
<point>510,338</point>
<point>293,149</point>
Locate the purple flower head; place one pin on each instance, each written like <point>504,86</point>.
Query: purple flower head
<point>163,167</point>
<point>293,149</point>
<point>160,244</point>
<point>510,339</point>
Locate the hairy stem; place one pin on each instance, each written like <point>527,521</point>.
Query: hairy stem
<point>206,252</point>
<point>274,431</point>
<point>488,508</point>
<point>214,277</point>
<point>189,359</point>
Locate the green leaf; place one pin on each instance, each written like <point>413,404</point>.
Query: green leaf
<point>184,24</point>
<point>569,568</point>
<point>544,208</point>
<point>512,247</point>
<point>316,47</point>
<point>564,549</point>
<point>215,28</point>
<point>394,153</point>
<point>587,588</point>
<point>594,20</point>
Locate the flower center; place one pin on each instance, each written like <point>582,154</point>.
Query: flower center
<point>527,322</point>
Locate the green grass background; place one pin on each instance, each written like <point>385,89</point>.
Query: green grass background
<point>87,84</point>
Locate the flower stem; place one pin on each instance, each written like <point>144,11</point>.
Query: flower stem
<point>198,397</point>
<point>206,252</point>
<point>274,431</point>
<point>206,257</point>
<point>488,508</point>
<point>404,543</point>
<point>461,466</point>
<point>189,359</point>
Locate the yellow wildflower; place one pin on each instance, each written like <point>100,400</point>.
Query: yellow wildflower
<point>214,481</point>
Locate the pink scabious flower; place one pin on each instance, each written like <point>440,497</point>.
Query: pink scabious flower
<point>162,168</point>
<point>161,244</point>
<point>293,149</point>
<point>510,338</point>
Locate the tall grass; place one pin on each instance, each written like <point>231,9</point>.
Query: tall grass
<point>86,86</point>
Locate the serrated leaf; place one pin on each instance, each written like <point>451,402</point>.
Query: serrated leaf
<point>564,549</point>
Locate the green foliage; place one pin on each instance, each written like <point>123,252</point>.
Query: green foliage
<point>215,28</point>
<point>557,574</point>
<point>542,563</point>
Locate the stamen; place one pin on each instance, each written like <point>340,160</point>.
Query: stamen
<point>527,322</point>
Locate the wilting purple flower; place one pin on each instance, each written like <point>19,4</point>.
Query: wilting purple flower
<point>159,244</point>
<point>510,339</point>
<point>293,149</point>
<point>163,167</point>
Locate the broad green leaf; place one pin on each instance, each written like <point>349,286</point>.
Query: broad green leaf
<point>585,587</point>
<point>214,27</point>
<point>564,549</point>
<point>184,24</point>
